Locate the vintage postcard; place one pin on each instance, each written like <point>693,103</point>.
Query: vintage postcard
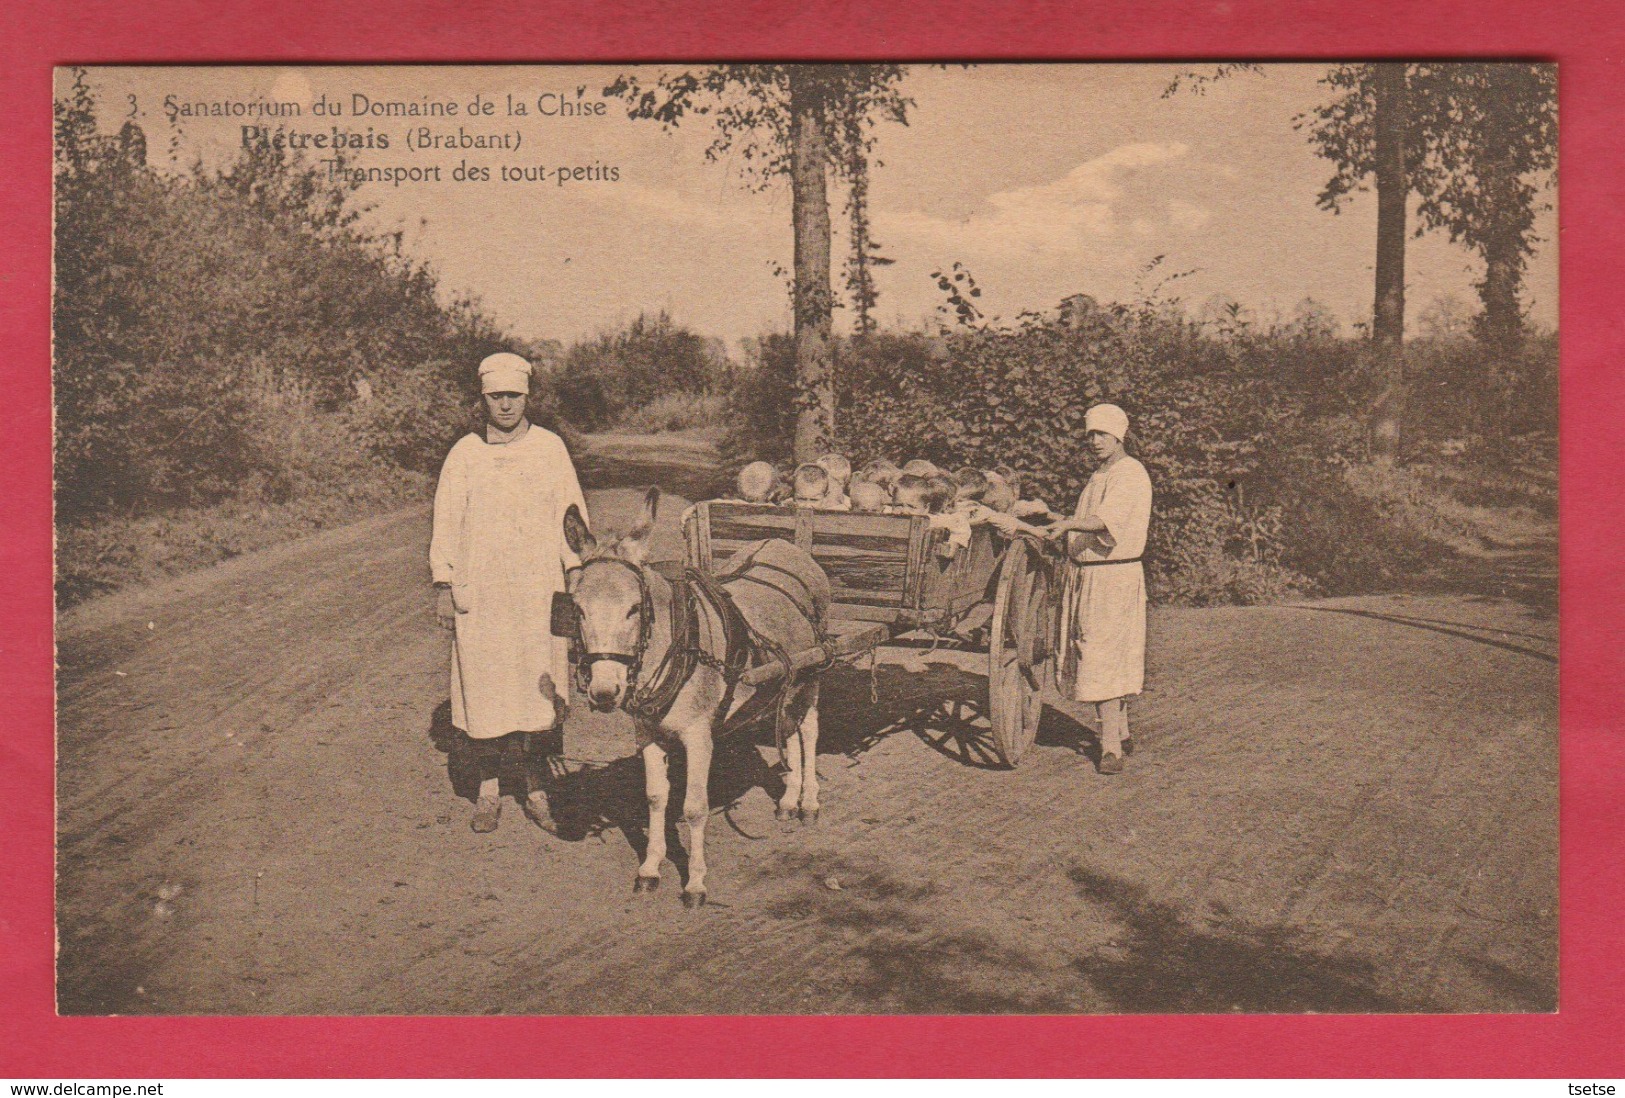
<point>807,539</point>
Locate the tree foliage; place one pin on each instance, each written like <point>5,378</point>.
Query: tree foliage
<point>204,318</point>
<point>748,107</point>
<point>1490,148</point>
<point>618,371</point>
<point>799,122</point>
<point>1481,140</point>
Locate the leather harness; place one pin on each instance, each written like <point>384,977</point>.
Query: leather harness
<point>650,700</point>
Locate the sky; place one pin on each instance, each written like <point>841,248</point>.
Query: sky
<point>1043,180</point>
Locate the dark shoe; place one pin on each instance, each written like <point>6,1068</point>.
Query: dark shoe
<point>486,814</point>
<point>1111,764</point>
<point>538,812</point>
<point>1128,746</point>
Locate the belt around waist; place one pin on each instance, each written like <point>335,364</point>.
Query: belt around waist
<point>1098,563</point>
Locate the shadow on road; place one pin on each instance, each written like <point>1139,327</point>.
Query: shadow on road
<point>618,462</point>
<point>1161,963</point>
<point>1159,959</point>
<point>941,704</point>
<point>1448,628</point>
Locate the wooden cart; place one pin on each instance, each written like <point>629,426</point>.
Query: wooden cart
<point>893,575</point>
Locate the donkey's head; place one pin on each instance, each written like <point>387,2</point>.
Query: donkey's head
<point>610,594</point>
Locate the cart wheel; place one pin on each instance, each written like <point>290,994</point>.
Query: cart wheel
<point>1019,663</point>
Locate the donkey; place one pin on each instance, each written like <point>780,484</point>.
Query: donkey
<point>625,618</point>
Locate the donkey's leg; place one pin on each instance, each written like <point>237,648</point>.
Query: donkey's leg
<point>696,810</point>
<point>657,786</point>
<point>790,803</point>
<point>807,735</point>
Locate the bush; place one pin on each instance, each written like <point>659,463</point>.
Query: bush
<point>1254,435</point>
<point>414,415</point>
<point>676,412</point>
<point>1017,396</point>
<point>206,322</point>
<point>222,374</point>
<point>604,378</point>
<point>762,415</point>
<point>1463,390</point>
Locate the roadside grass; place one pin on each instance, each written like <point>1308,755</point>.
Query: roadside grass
<point>99,557</point>
<point>1471,502</point>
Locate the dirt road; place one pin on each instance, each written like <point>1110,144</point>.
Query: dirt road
<point>1347,805</point>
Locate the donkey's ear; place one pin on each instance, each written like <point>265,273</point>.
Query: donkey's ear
<point>576,534</point>
<point>635,545</point>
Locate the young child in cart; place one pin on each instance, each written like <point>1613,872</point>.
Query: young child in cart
<point>1102,603</point>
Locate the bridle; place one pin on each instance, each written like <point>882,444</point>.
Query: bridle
<point>632,660</point>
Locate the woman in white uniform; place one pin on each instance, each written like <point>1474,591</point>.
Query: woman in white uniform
<point>1102,624</point>
<point>498,554</point>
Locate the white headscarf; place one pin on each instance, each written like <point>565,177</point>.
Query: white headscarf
<point>1109,418</point>
<point>504,373</point>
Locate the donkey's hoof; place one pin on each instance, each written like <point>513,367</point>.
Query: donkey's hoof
<point>809,815</point>
<point>645,884</point>
<point>692,900</point>
<point>784,815</point>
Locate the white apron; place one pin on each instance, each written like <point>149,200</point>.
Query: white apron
<point>1102,627</point>
<point>499,541</point>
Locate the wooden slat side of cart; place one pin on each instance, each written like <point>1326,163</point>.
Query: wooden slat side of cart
<point>893,574</point>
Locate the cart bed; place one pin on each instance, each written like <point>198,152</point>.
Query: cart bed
<point>881,568</point>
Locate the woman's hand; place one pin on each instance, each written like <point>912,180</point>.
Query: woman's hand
<point>445,610</point>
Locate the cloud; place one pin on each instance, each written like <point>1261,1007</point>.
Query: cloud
<point>1079,210</point>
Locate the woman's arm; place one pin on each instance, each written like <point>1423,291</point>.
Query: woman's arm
<point>1088,523</point>
<point>446,540</point>
<point>450,507</point>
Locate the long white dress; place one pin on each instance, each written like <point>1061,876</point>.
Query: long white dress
<point>1102,626</point>
<point>499,541</point>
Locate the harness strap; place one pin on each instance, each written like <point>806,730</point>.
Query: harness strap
<point>659,692</point>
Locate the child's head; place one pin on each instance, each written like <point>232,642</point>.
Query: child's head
<point>881,471</point>
<point>972,484</point>
<point>838,468</point>
<point>919,467</point>
<point>940,491</point>
<point>757,482</point>
<point>999,495</point>
<point>909,495</point>
<point>869,496</point>
<point>811,485</point>
<point>1011,477</point>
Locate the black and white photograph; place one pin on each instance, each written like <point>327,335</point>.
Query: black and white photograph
<point>786,538</point>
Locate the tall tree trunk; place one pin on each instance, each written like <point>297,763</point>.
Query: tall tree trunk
<point>813,297</point>
<point>1390,121</point>
<point>1499,293</point>
<point>1500,328</point>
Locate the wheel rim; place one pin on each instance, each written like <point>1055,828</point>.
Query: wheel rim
<point>1015,698</point>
